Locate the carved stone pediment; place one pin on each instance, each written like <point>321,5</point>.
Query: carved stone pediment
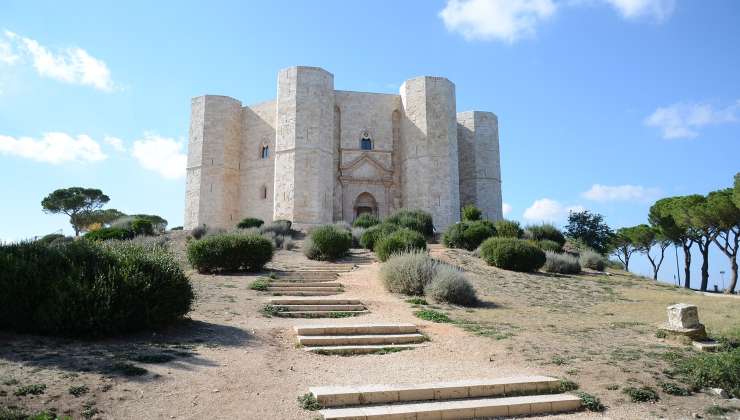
<point>365,168</point>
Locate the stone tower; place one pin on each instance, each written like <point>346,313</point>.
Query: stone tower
<point>480,173</point>
<point>304,152</point>
<point>429,148</point>
<point>212,186</point>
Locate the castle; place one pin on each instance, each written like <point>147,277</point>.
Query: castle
<point>317,155</point>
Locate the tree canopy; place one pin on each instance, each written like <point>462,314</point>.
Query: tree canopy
<point>590,229</point>
<point>74,201</point>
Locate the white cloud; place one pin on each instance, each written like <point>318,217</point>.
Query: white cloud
<point>659,10</point>
<point>53,148</point>
<point>506,208</point>
<point>115,143</point>
<point>72,65</point>
<point>683,120</point>
<point>7,55</point>
<point>161,154</point>
<point>548,210</point>
<point>505,20</point>
<point>600,192</point>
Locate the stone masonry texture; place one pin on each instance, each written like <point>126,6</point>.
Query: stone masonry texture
<point>315,155</point>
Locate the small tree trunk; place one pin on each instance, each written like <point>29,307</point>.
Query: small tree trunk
<point>733,277</point>
<point>704,267</point>
<point>627,262</point>
<point>687,266</point>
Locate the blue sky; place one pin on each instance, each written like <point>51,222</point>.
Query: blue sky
<point>602,104</point>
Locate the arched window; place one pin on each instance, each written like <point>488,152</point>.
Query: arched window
<point>366,143</point>
<point>265,154</point>
<point>263,192</point>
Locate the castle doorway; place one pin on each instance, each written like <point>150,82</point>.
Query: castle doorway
<point>365,204</point>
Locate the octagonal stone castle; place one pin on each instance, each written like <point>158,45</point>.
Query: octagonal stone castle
<point>317,155</point>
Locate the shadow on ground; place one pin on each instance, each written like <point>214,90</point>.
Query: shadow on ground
<point>125,355</point>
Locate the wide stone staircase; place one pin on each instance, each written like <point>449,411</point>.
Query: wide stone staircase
<point>305,283</point>
<point>502,397</point>
<point>315,307</point>
<point>348,339</point>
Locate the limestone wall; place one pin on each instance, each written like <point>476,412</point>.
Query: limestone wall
<point>479,163</point>
<point>212,185</point>
<point>304,155</point>
<point>429,149</point>
<point>257,175</point>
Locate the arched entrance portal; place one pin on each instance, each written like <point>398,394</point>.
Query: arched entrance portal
<point>365,203</point>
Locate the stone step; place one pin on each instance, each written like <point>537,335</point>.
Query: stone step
<point>303,289</point>
<point>309,293</point>
<point>305,284</point>
<point>362,349</point>
<point>461,409</point>
<point>357,339</point>
<point>316,314</point>
<point>336,308</point>
<point>314,301</point>
<point>333,396</point>
<point>348,329</point>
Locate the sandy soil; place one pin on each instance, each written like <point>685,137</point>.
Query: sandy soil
<point>230,361</point>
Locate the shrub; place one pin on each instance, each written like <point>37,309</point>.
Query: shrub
<point>402,240</point>
<point>230,252</point>
<point>713,370</point>
<point>470,213</point>
<point>545,231</point>
<point>592,259</point>
<point>590,402</point>
<point>199,231</point>
<point>142,227</point>
<point>548,245</point>
<point>561,263</point>
<point>615,264</point>
<point>512,254</point>
<point>468,235</point>
<point>366,220</point>
<point>356,235</point>
<point>249,222</point>
<point>310,250</point>
<point>329,242</point>
<point>374,233</point>
<point>417,220</point>
<point>52,237</point>
<point>86,288</point>
<point>642,394</point>
<point>566,385</point>
<point>450,285</point>
<point>260,283</point>
<point>110,233</point>
<point>674,389</point>
<point>408,273</point>
<point>278,227</point>
<point>508,229</point>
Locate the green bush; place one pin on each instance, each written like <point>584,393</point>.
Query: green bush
<point>592,259</point>
<point>278,227</point>
<point>249,222</point>
<point>86,288</point>
<point>374,233</point>
<point>468,235</point>
<point>230,252</point>
<point>408,273</point>
<point>52,237</point>
<point>366,220</point>
<point>329,242</point>
<point>470,213</point>
<point>548,245</point>
<point>402,240</point>
<point>142,227</point>
<point>641,394</point>
<point>450,285</point>
<point>713,370</point>
<point>199,231</point>
<point>105,234</point>
<point>508,229</point>
<point>512,254</point>
<point>590,402</point>
<point>561,263</point>
<point>417,220</point>
<point>543,232</point>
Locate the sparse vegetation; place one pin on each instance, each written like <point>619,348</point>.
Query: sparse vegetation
<point>591,402</point>
<point>641,394</point>
<point>512,254</point>
<point>32,389</point>
<point>309,402</point>
<point>229,252</point>
<point>78,390</point>
<point>432,315</point>
<point>261,284</point>
<point>566,385</point>
<point>127,369</point>
<point>712,370</point>
<point>561,263</point>
<point>674,389</point>
<point>417,301</point>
